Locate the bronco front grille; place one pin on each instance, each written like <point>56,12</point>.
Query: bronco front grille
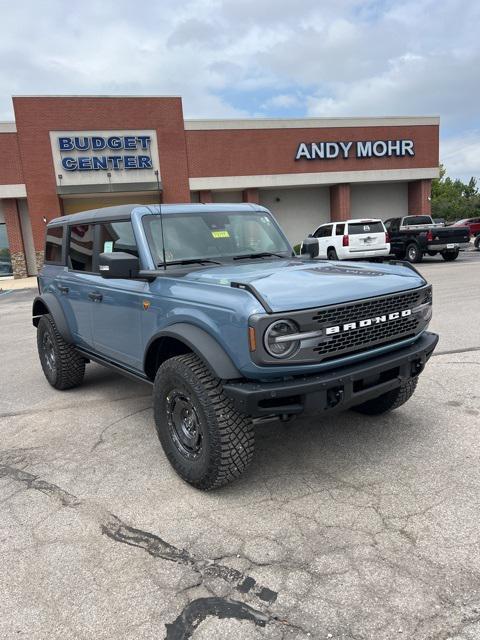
<point>363,338</point>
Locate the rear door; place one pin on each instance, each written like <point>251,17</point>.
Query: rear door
<point>366,235</point>
<point>75,282</point>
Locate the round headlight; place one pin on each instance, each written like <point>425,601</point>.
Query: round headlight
<point>276,339</point>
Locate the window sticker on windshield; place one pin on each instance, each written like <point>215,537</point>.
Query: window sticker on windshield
<point>366,228</point>
<point>220,234</point>
<point>107,247</point>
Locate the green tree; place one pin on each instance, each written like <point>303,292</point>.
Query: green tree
<point>454,199</point>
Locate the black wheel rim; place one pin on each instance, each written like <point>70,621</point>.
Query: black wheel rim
<point>49,353</point>
<point>184,424</point>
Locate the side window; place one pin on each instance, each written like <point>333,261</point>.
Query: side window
<point>340,230</point>
<point>395,224</point>
<point>117,236</point>
<point>318,233</point>
<point>53,245</point>
<point>80,247</point>
<point>327,230</point>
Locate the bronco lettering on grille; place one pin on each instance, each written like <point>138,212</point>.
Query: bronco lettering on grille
<point>367,322</point>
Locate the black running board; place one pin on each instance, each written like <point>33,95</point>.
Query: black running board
<point>114,366</point>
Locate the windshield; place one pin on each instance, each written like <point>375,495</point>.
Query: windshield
<point>213,235</point>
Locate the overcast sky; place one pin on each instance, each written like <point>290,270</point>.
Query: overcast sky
<point>237,58</point>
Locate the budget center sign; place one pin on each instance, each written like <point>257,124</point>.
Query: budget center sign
<point>96,157</point>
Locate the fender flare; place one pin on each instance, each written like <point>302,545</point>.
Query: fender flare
<point>54,308</point>
<point>204,345</point>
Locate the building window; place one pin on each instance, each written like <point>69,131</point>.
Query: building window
<point>53,245</point>
<point>5,260</point>
<point>117,236</point>
<point>80,248</point>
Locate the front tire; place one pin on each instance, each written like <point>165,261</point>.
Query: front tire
<point>62,365</point>
<point>413,253</point>
<point>388,401</point>
<point>205,439</point>
<point>450,256</point>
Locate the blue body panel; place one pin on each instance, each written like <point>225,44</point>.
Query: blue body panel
<point>133,311</point>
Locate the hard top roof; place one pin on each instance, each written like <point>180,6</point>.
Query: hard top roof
<point>124,211</point>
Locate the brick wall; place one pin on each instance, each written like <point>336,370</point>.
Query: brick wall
<point>10,165</point>
<point>240,152</point>
<point>36,116</point>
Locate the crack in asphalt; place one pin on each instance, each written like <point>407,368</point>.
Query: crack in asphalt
<point>194,612</point>
<point>452,351</point>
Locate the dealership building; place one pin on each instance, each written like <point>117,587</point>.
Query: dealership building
<point>62,155</point>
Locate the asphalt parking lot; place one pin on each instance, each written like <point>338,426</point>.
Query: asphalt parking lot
<point>348,528</point>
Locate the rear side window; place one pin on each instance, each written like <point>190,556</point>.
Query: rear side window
<point>365,227</point>
<point>80,247</point>
<point>340,230</point>
<point>117,236</point>
<point>412,220</point>
<point>54,244</point>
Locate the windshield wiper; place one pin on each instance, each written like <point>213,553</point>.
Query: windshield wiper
<point>264,254</point>
<point>190,261</point>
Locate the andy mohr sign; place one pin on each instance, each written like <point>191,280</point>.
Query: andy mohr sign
<point>355,149</point>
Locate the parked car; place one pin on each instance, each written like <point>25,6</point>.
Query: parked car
<point>349,240</point>
<point>412,237</point>
<point>208,305</point>
<point>473,225</point>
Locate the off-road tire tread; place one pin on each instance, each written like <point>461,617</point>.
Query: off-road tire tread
<point>70,364</point>
<point>234,442</point>
<point>390,400</point>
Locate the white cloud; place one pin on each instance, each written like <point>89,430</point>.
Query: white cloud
<point>231,58</point>
<point>461,155</point>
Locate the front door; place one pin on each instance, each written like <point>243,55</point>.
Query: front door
<point>117,304</point>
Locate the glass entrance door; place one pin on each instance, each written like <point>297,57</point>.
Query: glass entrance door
<point>5,262</point>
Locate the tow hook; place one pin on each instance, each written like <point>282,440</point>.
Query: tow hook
<point>417,367</point>
<point>334,396</point>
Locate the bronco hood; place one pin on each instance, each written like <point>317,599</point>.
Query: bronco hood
<point>289,285</point>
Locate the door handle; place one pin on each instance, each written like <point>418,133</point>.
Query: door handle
<point>62,289</point>
<point>96,297</point>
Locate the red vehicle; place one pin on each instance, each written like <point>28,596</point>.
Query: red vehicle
<point>472,223</point>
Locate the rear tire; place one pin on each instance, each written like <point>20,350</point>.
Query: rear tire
<point>477,242</point>
<point>62,365</point>
<point>450,256</point>
<point>332,254</point>
<point>388,401</point>
<point>205,439</point>
<point>413,253</point>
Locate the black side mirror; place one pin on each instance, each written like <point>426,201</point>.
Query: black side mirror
<point>310,235</point>
<point>310,247</point>
<point>118,265</point>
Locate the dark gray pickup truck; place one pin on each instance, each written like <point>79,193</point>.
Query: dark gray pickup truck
<point>412,237</point>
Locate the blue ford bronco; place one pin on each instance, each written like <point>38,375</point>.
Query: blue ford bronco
<point>209,304</point>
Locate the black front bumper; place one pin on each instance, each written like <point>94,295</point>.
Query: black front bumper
<point>335,389</point>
